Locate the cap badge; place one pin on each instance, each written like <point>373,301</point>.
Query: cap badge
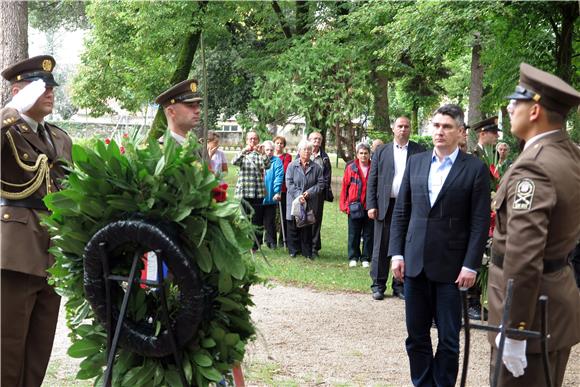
<point>193,87</point>
<point>47,65</point>
<point>536,97</point>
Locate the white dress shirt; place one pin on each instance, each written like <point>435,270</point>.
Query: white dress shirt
<point>438,173</point>
<point>400,155</point>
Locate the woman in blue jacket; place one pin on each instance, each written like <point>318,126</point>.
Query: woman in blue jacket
<point>273,180</point>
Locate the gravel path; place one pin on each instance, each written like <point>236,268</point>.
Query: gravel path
<point>312,338</point>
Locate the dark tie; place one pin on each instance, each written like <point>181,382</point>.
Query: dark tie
<point>43,135</point>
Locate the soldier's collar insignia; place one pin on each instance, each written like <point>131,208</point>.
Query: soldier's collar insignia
<point>524,194</point>
<point>193,87</point>
<point>47,65</point>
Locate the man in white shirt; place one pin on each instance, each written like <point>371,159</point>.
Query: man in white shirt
<point>383,185</point>
<point>438,234</point>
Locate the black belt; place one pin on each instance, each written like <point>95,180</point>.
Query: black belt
<point>550,265</point>
<point>36,204</point>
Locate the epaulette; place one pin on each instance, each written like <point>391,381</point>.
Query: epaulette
<point>10,116</point>
<point>53,126</point>
<point>534,151</point>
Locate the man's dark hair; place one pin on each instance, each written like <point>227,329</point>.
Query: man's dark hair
<point>453,111</point>
<point>554,117</point>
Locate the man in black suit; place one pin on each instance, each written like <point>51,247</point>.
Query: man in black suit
<point>383,185</point>
<point>438,234</point>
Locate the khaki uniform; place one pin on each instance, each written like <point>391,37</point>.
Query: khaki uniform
<point>538,220</point>
<point>29,304</point>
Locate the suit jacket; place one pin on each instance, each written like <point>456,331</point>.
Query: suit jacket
<point>24,242</point>
<point>451,234</point>
<point>538,219</point>
<point>380,181</point>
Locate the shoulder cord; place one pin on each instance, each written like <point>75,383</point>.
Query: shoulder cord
<point>41,169</point>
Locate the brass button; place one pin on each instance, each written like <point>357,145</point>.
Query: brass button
<point>6,216</point>
<point>25,156</point>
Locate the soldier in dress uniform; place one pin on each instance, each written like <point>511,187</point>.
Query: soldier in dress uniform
<point>536,229</point>
<point>487,135</point>
<point>33,155</point>
<point>182,107</point>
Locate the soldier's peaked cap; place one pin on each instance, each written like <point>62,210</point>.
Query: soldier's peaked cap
<point>546,89</point>
<point>184,92</point>
<point>487,125</point>
<point>32,69</point>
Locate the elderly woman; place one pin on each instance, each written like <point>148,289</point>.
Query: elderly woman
<point>353,203</point>
<point>503,150</point>
<point>304,181</point>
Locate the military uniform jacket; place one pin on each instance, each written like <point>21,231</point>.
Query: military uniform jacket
<point>538,219</point>
<point>24,242</point>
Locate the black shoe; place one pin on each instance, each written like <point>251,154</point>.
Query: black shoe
<point>474,313</point>
<point>378,296</point>
<point>399,294</point>
<point>271,246</point>
<point>292,255</point>
<point>315,254</point>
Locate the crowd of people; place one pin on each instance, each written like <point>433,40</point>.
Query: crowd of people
<point>422,215</point>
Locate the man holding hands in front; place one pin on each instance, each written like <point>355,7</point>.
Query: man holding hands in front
<point>438,234</point>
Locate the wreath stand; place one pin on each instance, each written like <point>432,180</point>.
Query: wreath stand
<point>113,337</point>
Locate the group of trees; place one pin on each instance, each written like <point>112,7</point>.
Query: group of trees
<point>335,63</point>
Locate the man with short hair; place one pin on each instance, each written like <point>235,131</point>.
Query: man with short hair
<point>383,185</point>
<point>32,149</point>
<point>321,158</point>
<point>250,186</point>
<point>182,107</point>
<point>536,230</point>
<point>438,234</point>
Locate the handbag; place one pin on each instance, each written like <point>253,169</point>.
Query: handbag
<point>328,195</point>
<point>356,210</point>
<point>306,217</point>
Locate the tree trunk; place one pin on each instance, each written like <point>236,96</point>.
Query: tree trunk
<point>302,17</point>
<point>181,73</point>
<point>13,39</point>
<point>415,118</point>
<point>380,87</point>
<point>476,87</point>
<point>564,41</point>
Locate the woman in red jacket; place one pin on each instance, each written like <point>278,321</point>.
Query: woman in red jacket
<point>353,203</point>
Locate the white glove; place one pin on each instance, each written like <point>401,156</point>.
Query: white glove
<point>514,355</point>
<point>27,96</point>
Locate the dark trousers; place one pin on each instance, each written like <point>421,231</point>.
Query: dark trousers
<point>282,234</point>
<point>534,372</point>
<point>316,227</point>
<point>426,300</point>
<point>381,262</point>
<point>356,228</point>
<point>29,316</point>
<point>257,218</point>
<point>270,223</point>
<point>299,239</point>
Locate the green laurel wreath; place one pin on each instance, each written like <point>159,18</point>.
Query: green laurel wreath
<point>109,182</point>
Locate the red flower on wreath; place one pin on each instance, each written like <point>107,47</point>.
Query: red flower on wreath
<point>107,141</point>
<point>219,193</point>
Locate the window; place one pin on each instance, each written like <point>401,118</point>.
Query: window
<point>230,128</point>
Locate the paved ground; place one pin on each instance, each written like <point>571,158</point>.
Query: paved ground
<point>311,338</point>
